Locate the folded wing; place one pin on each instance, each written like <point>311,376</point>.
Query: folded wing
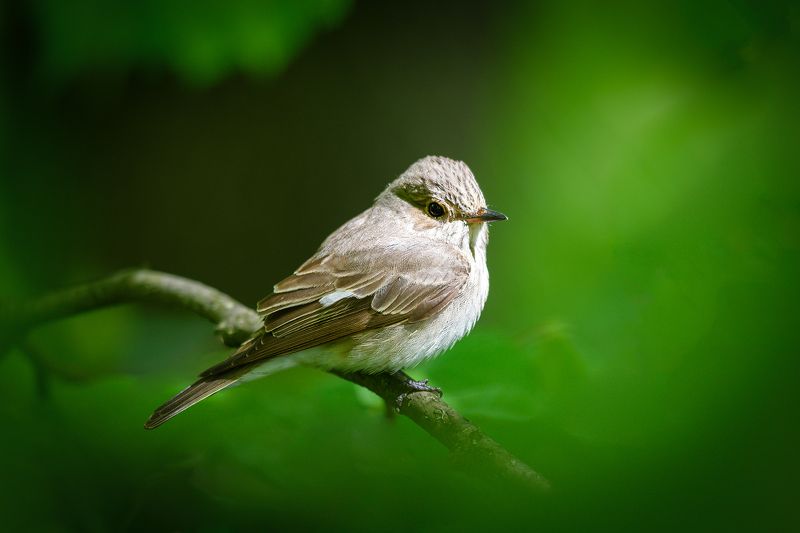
<point>334,296</point>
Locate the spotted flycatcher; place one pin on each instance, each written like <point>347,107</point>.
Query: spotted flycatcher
<point>396,285</point>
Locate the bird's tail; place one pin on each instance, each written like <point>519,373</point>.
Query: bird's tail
<point>197,391</point>
<point>206,386</point>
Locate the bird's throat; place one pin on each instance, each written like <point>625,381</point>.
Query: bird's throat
<point>475,235</point>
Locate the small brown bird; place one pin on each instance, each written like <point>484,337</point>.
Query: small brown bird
<point>396,285</point>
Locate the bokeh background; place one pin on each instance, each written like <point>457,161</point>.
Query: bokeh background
<point>639,346</point>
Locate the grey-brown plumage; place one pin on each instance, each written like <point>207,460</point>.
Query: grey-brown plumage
<point>397,284</point>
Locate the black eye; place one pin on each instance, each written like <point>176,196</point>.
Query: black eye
<point>435,209</point>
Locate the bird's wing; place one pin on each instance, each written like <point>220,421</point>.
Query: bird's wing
<point>333,296</point>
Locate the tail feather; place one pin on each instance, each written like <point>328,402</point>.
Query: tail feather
<point>197,391</point>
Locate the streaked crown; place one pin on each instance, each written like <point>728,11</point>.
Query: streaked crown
<point>440,178</point>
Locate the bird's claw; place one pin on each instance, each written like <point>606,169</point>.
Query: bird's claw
<point>413,386</point>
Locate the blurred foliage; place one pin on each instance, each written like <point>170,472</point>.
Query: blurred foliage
<point>639,343</point>
<point>200,41</point>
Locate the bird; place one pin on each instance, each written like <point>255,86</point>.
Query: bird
<point>393,287</point>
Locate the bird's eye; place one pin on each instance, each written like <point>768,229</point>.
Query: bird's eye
<point>435,209</point>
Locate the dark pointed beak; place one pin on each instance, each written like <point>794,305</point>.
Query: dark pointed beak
<point>485,215</point>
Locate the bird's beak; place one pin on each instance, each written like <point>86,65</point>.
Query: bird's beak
<point>485,215</point>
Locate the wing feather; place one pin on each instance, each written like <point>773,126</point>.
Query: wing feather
<point>282,300</point>
<point>294,315</point>
<point>305,281</point>
<point>394,286</point>
<point>354,316</point>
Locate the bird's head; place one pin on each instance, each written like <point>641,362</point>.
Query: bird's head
<point>441,198</point>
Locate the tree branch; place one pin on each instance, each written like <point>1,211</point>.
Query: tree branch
<point>236,323</point>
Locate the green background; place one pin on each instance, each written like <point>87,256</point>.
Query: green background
<point>639,345</point>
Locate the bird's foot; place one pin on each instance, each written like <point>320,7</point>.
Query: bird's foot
<point>411,386</point>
